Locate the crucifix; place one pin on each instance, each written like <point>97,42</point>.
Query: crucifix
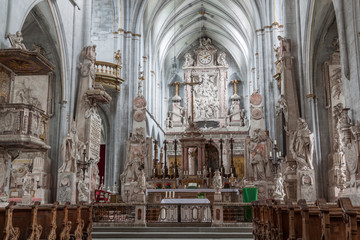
<point>192,84</point>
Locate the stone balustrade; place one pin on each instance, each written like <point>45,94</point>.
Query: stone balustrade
<point>108,74</point>
<point>23,126</point>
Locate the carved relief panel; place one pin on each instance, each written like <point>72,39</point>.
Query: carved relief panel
<point>6,76</point>
<point>209,75</point>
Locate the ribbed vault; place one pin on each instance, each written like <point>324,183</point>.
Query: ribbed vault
<point>170,27</point>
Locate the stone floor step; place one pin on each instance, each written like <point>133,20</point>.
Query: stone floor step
<point>173,229</point>
<point>171,233</point>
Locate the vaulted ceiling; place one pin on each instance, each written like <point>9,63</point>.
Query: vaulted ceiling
<point>171,27</point>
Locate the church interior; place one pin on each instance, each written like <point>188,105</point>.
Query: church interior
<point>144,118</point>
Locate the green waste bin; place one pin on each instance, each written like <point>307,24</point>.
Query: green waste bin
<point>249,195</point>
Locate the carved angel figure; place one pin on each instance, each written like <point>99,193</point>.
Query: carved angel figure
<point>189,61</point>
<point>16,40</point>
<point>302,145</point>
<point>279,192</point>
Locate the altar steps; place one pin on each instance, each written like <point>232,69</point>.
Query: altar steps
<point>113,232</point>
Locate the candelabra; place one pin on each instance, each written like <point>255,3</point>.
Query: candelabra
<point>176,171</point>
<point>85,164</point>
<point>155,158</point>
<point>166,170</point>
<point>221,167</point>
<point>275,157</point>
<point>232,168</point>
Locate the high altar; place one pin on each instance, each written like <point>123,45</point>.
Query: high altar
<point>207,147</point>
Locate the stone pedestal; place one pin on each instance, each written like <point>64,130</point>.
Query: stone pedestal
<point>140,215</point>
<point>141,197</point>
<point>306,185</point>
<point>66,190</point>
<point>26,199</point>
<point>218,216</point>
<point>262,187</point>
<point>217,197</point>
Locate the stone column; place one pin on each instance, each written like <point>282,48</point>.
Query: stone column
<point>199,158</point>
<point>186,159</point>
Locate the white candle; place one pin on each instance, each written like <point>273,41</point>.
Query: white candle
<point>275,142</point>
<point>166,194</point>
<point>270,154</point>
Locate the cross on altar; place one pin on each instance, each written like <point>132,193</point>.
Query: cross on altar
<point>192,84</point>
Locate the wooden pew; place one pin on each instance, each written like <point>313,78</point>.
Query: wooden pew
<point>46,217</point>
<point>255,218</point>
<point>351,218</point>
<point>77,224</point>
<point>10,232</point>
<point>311,221</point>
<point>62,222</point>
<point>332,224</point>
<point>25,219</point>
<point>271,219</point>
<point>2,222</point>
<point>87,216</point>
<point>282,216</point>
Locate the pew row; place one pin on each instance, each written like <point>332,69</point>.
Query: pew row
<point>287,220</point>
<point>46,222</point>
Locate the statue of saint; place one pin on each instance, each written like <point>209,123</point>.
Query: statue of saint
<point>132,171</point>
<point>217,181</point>
<point>142,181</point>
<point>258,164</point>
<point>302,145</point>
<point>71,151</point>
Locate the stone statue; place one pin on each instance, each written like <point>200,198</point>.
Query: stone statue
<point>205,172</point>
<point>16,40</point>
<point>141,78</point>
<point>88,66</point>
<point>189,61</point>
<point>282,107</point>
<point>71,151</point>
<point>28,182</point>
<point>222,59</point>
<point>64,190</point>
<point>258,164</point>
<point>279,192</point>
<point>302,145</point>
<point>117,57</point>
<point>83,191</point>
<point>168,122</point>
<point>217,181</point>
<point>142,181</point>
<point>285,46</point>
<point>132,172</point>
